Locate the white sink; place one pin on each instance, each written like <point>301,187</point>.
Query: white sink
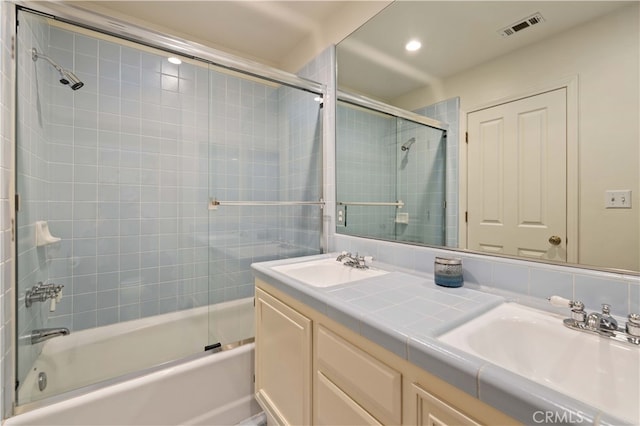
<point>326,272</point>
<point>536,345</point>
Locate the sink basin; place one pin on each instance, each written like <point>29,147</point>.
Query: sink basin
<point>536,345</point>
<point>326,272</point>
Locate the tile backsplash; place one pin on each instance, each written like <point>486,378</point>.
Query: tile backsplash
<point>513,276</point>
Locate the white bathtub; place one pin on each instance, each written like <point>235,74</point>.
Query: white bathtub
<point>213,389</point>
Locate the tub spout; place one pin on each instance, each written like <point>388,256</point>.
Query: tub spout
<point>43,334</point>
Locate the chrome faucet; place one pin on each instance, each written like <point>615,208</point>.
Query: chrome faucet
<point>350,260</point>
<point>42,334</point>
<point>601,323</point>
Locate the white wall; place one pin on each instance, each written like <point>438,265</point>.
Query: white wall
<point>604,54</point>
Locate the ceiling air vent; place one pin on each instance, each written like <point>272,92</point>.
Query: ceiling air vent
<point>520,25</point>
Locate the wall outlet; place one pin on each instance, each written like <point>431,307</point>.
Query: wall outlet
<point>617,199</point>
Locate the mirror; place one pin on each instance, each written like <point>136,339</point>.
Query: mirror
<point>478,58</point>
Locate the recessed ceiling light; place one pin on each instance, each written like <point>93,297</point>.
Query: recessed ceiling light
<point>174,60</point>
<point>413,45</point>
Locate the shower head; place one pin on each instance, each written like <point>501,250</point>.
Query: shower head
<point>407,144</point>
<point>67,77</point>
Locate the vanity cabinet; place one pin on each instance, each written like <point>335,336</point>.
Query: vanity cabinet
<point>283,361</point>
<point>311,370</point>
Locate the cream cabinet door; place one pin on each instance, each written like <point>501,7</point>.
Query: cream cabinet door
<point>517,177</point>
<point>428,410</point>
<point>283,361</point>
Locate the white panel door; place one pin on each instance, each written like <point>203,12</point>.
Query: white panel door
<point>517,177</point>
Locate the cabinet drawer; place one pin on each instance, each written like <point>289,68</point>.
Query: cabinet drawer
<point>334,407</point>
<point>431,411</point>
<point>370,383</point>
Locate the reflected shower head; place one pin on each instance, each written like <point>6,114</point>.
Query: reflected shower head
<point>67,77</point>
<point>407,144</point>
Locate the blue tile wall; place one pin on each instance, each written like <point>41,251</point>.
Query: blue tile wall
<point>265,146</point>
<point>448,111</point>
<point>366,170</point>
<point>421,183</point>
<point>134,137</point>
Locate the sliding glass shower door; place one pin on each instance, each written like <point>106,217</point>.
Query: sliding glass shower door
<point>123,264</point>
<point>265,162</point>
<point>390,175</point>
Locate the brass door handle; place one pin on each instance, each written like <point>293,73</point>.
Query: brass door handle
<point>555,240</point>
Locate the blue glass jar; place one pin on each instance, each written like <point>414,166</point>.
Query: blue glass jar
<point>447,272</point>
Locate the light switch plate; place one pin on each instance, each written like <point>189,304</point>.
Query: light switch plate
<point>617,199</point>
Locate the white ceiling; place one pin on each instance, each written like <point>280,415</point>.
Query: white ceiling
<point>456,36</point>
<point>269,32</point>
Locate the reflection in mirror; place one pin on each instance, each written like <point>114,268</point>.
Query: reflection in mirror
<point>391,177</point>
<point>588,52</point>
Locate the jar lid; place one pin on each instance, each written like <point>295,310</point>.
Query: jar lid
<point>448,260</point>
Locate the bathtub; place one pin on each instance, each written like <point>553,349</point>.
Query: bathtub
<point>210,389</point>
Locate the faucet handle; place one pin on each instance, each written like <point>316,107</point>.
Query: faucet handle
<point>561,302</point>
<point>606,309</point>
<point>577,308</point>
<point>633,325</point>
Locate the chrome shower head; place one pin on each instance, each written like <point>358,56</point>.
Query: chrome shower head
<point>67,77</point>
<point>407,144</point>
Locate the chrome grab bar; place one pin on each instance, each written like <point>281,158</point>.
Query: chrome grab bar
<point>399,204</point>
<point>214,203</point>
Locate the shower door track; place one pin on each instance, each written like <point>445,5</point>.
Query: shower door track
<point>375,105</point>
<point>76,15</point>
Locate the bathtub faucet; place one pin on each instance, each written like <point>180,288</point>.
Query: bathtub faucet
<point>42,334</point>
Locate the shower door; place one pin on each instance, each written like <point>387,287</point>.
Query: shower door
<point>366,172</point>
<point>265,163</point>
<point>421,181</point>
<point>155,183</point>
<point>390,180</point>
<point>113,181</point>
